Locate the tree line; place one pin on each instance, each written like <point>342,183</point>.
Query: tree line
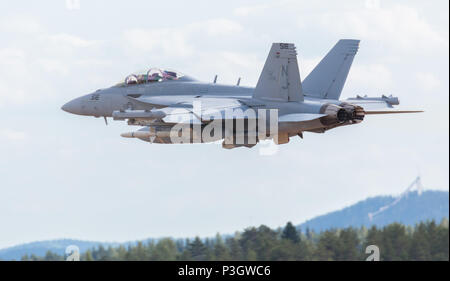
<point>426,241</point>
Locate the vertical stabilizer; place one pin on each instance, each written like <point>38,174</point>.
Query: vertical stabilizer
<point>280,78</point>
<point>328,78</point>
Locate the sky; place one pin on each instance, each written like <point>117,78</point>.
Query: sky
<point>68,176</point>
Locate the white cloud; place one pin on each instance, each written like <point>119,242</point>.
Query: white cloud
<point>32,56</point>
<point>373,77</point>
<point>11,54</point>
<point>13,67</point>
<point>401,27</point>
<point>23,78</point>
<point>306,65</point>
<point>53,66</point>
<point>178,41</point>
<point>362,77</point>
<point>68,152</point>
<point>20,24</point>
<point>13,135</point>
<point>241,59</point>
<point>217,27</point>
<point>168,41</point>
<point>93,62</point>
<point>229,66</point>
<point>245,11</point>
<point>427,81</point>
<point>71,40</point>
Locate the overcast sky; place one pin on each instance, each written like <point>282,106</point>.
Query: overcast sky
<point>68,176</point>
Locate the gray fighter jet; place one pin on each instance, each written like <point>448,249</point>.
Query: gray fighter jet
<point>176,108</point>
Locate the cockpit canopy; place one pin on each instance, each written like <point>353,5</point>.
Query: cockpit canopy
<point>153,75</point>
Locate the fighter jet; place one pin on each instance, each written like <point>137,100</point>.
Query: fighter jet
<point>175,108</point>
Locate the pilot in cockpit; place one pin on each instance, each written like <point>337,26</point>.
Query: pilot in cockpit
<point>131,79</point>
<point>142,78</point>
<point>169,75</point>
<point>155,77</point>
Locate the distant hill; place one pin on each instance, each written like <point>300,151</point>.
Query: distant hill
<point>411,209</point>
<point>39,248</point>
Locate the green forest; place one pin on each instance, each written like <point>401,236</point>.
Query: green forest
<point>426,241</point>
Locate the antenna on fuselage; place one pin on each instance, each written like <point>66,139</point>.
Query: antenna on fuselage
<point>215,79</point>
<point>238,82</point>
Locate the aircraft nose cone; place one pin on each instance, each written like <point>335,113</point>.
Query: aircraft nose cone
<point>73,106</point>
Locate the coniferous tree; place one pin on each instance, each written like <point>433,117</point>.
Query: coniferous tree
<point>258,240</point>
<point>442,242</point>
<point>395,242</point>
<point>236,252</point>
<point>425,241</point>
<point>221,252</point>
<point>87,256</point>
<point>327,247</point>
<point>197,249</point>
<point>420,245</point>
<point>290,233</point>
<point>121,253</point>
<point>164,250</point>
<point>348,246</point>
<point>308,233</point>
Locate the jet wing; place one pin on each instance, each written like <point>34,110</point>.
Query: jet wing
<point>184,109</point>
<point>187,101</point>
<point>216,108</point>
<point>190,109</point>
<point>162,101</point>
<point>179,115</point>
